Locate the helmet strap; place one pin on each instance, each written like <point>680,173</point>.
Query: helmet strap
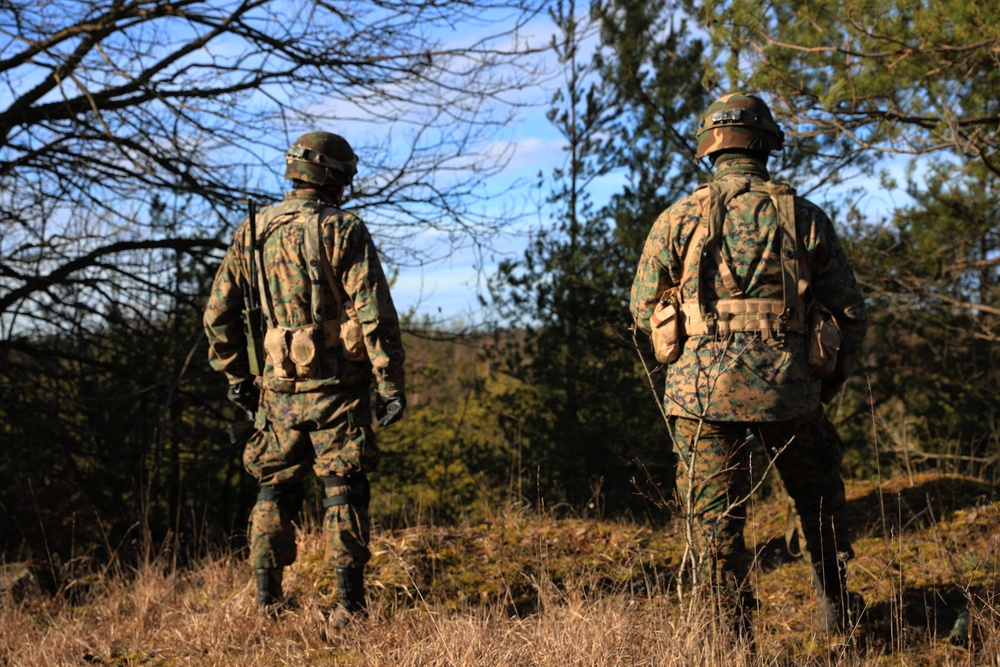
<point>337,193</point>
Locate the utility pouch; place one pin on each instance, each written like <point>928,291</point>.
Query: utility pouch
<point>824,339</point>
<point>666,329</point>
<point>351,335</point>
<point>253,327</point>
<point>345,332</point>
<point>293,352</point>
<point>303,352</point>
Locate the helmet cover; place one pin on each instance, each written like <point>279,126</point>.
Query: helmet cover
<point>321,158</point>
<point>738,121</point>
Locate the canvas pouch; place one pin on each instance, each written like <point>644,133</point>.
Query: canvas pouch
<point>346,333</point>
<point>665,328</point>
<point>293,352</point>
<point>824,339</point>
<point>352,337</point>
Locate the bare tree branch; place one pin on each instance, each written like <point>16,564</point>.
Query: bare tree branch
<point>111,108</point>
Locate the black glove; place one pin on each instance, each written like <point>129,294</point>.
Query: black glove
<point>244,394</point>
<point>389,409</point>
<point>833,383</point>
<point>240,433</point>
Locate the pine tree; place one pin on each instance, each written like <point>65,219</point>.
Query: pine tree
<point>593,426</point>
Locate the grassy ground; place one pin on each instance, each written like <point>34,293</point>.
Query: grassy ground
<point>522,589</point>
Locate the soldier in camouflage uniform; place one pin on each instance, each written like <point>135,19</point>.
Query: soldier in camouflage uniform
<point>737,376</point>
<point>331,329</point>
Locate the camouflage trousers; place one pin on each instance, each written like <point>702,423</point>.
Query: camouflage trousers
<point>714,480</point>
<point>328,434</point>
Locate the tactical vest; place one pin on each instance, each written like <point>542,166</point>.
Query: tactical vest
<point>294,351</point>
<point>674,320</point>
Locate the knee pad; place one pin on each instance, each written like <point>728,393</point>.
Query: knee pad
<point>289,497</point>
<point>357,495</point>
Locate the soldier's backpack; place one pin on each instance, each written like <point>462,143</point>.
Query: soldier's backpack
<point>674,320</point>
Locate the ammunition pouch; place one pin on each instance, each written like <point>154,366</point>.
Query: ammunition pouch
<point>352,337</point>
<point>294,352</point>
<point>345,332</point>
<point>824,339</point>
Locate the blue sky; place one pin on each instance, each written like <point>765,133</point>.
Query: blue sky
<point>448,290</point>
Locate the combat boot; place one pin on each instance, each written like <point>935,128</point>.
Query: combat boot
<point>839,609</point>
<point>351,590</point>
<point>269,594</point>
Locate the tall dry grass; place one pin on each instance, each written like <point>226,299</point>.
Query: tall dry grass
<point>599,597</point>
<point>206,617</point>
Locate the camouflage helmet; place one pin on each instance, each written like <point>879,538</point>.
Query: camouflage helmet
<point>738,121</point>
<point>321,158</point>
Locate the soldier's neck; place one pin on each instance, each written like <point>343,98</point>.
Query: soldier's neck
<point>306,192</point>
<point>741,166</point>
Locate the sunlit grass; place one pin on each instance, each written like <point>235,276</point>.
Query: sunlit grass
<point>529,589</point>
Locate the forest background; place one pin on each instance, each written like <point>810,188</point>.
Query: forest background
<point>132,133</point>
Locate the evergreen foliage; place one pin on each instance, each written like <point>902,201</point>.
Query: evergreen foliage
<point>861,88</point>
<point>117,438</point>
<point>450,457</point>
<point>595,428</point>
<point>931,276</point>
<point>869,77</point>
<point>649,52</point>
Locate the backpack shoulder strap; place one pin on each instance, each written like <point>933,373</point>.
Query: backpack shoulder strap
<point>702,193</point>
<point>792,255</point>
<point>319,261</point>
<point>267,226</point>
<point>719,194</point>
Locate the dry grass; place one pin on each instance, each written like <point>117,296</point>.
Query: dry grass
<point>527,590</point>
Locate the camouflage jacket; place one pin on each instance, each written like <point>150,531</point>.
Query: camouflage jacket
<point>737,377</point>
<point>356,267</point>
